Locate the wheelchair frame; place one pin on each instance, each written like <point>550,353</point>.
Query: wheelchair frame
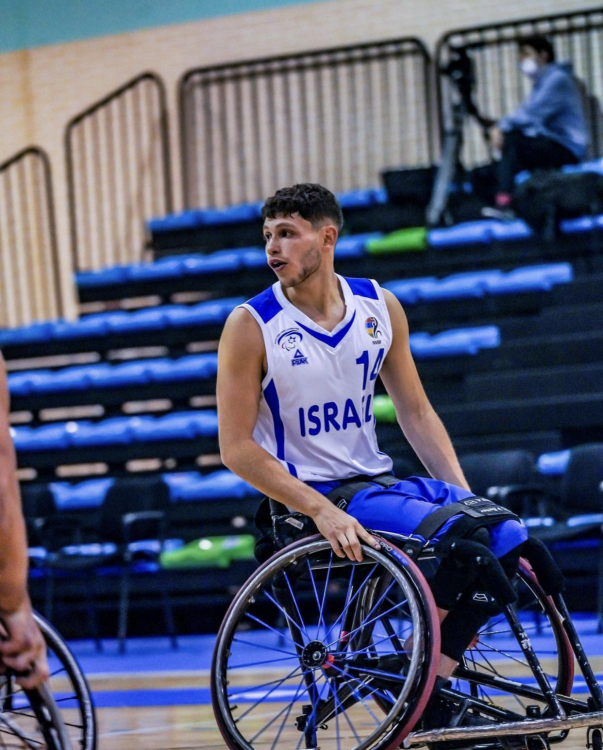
<point>561,713</point>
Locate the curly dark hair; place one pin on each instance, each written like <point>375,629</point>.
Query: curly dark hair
<point>538,42</point>
<point>311,201</point>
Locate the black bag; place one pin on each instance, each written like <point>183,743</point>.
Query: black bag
<point>276,532</point>
<point>547,197</point>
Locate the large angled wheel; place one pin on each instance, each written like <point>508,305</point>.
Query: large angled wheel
<point>494,671</point>
<point>60,715</point>
<point>316,651</point>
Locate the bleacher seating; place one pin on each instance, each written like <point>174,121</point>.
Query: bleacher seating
<point>504,330</point>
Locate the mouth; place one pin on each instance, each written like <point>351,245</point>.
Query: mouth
<point>276,264</point>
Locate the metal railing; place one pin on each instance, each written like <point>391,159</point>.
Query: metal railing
<point>29,267</point>
<point>118,172</point>
<point>336,116</point>
<point>500,86</point>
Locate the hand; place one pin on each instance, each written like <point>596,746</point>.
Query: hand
<point>22,647</point>
<point>343,532</point>
<point>497,138</point>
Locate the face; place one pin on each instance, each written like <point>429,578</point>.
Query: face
<point>529,53</point>
<point>293,248</point>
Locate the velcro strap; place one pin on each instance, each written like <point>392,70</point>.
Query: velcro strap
<point>341,496</point>
<point>479,508</point>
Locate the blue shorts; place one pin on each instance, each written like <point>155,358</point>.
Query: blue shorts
<point>402,507</point>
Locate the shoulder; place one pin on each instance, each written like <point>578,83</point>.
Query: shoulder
<point>367,288</point>
<point>264,306</point>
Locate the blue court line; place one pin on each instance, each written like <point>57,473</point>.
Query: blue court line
<point>202,696</point>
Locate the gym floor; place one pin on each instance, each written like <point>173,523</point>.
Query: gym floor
<point>156,698</point>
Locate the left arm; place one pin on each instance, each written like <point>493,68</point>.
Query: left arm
<point>416,416</point>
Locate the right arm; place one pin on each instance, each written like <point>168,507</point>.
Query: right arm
<point>239,389</point>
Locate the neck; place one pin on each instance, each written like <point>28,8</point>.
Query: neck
<point>320,297</point>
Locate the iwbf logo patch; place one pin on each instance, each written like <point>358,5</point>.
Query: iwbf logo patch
<point>372,328</point>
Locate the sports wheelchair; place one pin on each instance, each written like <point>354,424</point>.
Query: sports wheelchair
<point>317,651</point>
<point>57,716</point>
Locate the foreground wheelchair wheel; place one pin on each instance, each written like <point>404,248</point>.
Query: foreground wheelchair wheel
<point>494,682</point>
<point>315,651</point>
<point>59,715</point>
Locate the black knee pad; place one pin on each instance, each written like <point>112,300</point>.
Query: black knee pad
<point>480,535</point>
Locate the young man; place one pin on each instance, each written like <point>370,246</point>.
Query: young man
<point>22,646</point>
<point>296,375</point>
<point>546,131</point>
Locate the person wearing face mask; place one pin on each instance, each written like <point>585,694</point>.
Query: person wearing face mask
<point>547,130</point>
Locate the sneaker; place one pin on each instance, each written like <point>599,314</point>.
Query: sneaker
<point>501,214</point>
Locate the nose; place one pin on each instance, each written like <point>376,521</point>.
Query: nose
<point>272,245</point>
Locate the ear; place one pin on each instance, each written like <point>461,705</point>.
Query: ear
<point>330,235</point>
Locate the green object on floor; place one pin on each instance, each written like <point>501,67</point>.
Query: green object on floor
<point>211,552</point>
<point>401,241</point>
<point>383,409</point>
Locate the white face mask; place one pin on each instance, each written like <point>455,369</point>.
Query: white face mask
<point>529,67</point>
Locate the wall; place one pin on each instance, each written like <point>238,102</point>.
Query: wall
<point>41,88</point>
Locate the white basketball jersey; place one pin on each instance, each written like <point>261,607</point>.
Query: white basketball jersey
<point>316,413</point>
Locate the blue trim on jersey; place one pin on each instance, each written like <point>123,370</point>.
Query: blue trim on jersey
<point>266,304</point>
<point>326,338</point>
<point>362,288</point>
<point>271,397</point>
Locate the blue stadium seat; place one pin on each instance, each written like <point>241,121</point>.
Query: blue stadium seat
<point>81,496</point>
<point>193,487</point>
<point>191,367</point>
<point>361,198</point>
<point>36,333</point>
<point>102,277</point>
<point>532,279</point>
<point>470,284</point>
<point>354,246</point>
<point>582,224</point>
<point>184,220</point>
<point>453,343</point>
<point>47,437</point>
<point>25,383</point>
<point>253,257</point>
<point>95,325</point>
<point>70,379</point>
<point>176,426</point>
<point>222,261</point>
<point>229,214</point>
<point>468,233</point>
<point>553,464</point>
<point>167,268</point>
<point>118,376</point>
<point>140,321</point>
<point>409,291</point>
<point>595,165</point>
<point>510,230</point>
<point>113,431</point>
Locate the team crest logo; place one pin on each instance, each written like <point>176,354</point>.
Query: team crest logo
<point>372,327</point>
<point>289,339</point>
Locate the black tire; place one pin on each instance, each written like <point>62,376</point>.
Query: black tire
<point>375,686</point>
<point>58,716</point>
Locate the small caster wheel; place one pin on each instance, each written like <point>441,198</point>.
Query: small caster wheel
<point>595,739</point>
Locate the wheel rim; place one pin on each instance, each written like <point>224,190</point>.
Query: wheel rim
<point>354,676</point>
<point>21,710</point>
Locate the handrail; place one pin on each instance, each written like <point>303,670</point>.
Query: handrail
<point>29,264</point>
<point>337,115</point>
<point>117,156</point>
